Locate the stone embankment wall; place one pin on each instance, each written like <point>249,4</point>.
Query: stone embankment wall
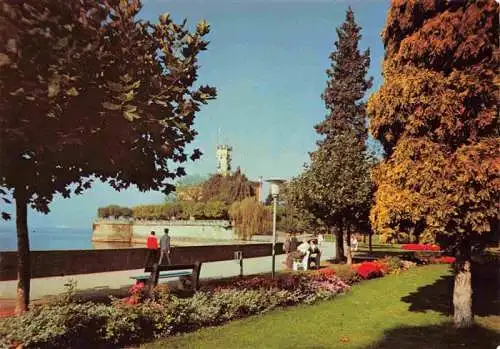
<point>130,231</point>
<point>72,262</point>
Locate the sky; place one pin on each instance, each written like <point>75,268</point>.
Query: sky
<point>267,60</point>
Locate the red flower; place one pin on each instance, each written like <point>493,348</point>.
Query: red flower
<point>369,270</point>
<point>420,247</point>
<point>137,288</point>
<point>444,260</point>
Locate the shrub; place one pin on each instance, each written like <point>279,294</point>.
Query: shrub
<point>394,265</point>
<point>114,211</point>
<point>370,270</point>
<point>347,274</point>
<point>69,325</point>
<point>215,210</point>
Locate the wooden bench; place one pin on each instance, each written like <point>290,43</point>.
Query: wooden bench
<point>363,258</point>
<point>157,272</point>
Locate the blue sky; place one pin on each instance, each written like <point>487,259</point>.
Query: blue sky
<point>267,60</point>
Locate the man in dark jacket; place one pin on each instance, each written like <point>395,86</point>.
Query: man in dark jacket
<point>289,247</point>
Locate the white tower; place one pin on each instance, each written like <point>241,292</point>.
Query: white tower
<point>224,159</point>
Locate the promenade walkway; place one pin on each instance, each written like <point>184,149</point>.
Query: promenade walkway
<point>118,282</point>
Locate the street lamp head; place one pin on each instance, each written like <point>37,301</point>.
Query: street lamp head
<point>275,186</point>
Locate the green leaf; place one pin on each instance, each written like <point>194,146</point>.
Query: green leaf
<point>130,108</point>
<point>126,78</point>
<point>53,88</point>
<point>202,28</point>
<point>130,116</point>
<point>127,97</point>
<point>111,106</point>
<point>72,92</point>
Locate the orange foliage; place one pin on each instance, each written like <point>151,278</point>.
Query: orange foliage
<point>437,118</point>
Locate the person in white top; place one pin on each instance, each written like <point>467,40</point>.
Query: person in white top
<point>354,242</point>
<point>303,247</point>
<point>320,239</point>
<point>304,250</point>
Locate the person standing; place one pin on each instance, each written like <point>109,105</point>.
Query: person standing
<point>152,246</point>
<point>354,242</point>
<point>165,247</point>
<point>286,248</point>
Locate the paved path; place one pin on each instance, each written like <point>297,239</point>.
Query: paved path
<point>120,280</point>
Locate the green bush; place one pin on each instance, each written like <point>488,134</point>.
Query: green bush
<point>394,265</point>
<point>215,210</point>
<point>347,274</point>
<point>179,210</point>
<point>114,211</point>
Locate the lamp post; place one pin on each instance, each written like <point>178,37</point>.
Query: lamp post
<point>275,190</point>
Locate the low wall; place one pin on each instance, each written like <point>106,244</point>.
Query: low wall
<point>138,231</point>
<point>213,230</point>
<point>119,231</point>
<point>61,263</point>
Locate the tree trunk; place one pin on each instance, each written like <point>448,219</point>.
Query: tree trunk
<point>339,243</point>
<point>348,243</point>
<point>462,291</point>
<point>23,253</point>
<point>370,242</point>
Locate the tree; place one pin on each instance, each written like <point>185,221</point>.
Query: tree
<point>336,187</point>
<point>251,218</point>
<point>89,92</point>
<point>228,189</point>
<point>437,117</point>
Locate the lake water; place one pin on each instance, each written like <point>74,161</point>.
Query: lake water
<point>48,238</point>
<point>43,239</point>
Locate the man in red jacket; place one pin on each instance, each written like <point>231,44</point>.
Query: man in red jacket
<point>152,245</point>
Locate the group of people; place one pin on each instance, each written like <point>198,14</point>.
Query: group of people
<point>152,246</point>
<point>305,252</point>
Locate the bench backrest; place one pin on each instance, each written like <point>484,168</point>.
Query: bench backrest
<point>149,269</point>
<point>155,273</point>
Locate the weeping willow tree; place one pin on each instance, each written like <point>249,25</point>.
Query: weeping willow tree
<point>250,218</point>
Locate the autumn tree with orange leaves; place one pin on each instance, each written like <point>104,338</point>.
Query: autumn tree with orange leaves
<point>436,116</point>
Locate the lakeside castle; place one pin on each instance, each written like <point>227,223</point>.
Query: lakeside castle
<point>224,158</point>
<point>137,231</point>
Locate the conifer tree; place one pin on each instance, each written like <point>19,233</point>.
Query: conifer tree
<point>336,186</point>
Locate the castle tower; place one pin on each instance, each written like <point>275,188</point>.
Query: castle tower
<point>224,159</point>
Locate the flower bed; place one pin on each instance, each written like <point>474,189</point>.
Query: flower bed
<point>133,320</point>
<point>420,247</point>
<point>443,260</point>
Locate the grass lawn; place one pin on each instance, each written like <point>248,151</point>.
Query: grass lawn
<point>408,311</point>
